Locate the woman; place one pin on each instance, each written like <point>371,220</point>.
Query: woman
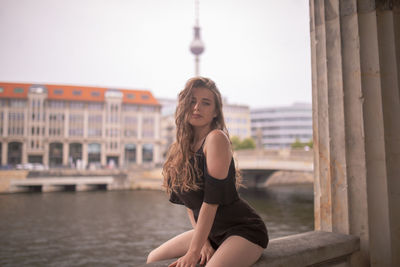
<point>200,173</point>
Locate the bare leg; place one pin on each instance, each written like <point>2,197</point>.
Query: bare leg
<point>174,248</point>
<point>236,251</point>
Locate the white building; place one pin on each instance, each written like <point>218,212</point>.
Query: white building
<point>279,127</point>
<point>59,125</point>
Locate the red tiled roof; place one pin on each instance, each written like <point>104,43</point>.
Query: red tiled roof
<point>78,93</point>
<point>8,90</point>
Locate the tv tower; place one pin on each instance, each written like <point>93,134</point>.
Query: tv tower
<point>197,46</point>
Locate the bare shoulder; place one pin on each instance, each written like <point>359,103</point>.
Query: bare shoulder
<point>217,139</point>
<point>218,153</point>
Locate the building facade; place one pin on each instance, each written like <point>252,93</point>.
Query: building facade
<point>237,119</point>
<point>59,125</point>
<point>279,127</point>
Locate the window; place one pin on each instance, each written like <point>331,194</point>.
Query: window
<point>130,153</point>
<point>18,90</point>
<point>1,89</point>
<point>95,106</point>
<point>78,118</point>
<point>76,132</point>
<point>148,108</point>
<point>58,91</point>
<point>95,94</point>
<point>77,92</point>
<point>147,153</point>
<point>130,132</point>
<point>145,97</point>
<point>17,103</point>
<point>94,131</point>
<point>148,127</point>
<point>129,120</point>
<point>95,118</point>
<point>76,105</point>
<point>56,104</point>
<point>130,96</point>
<point>130,107</point>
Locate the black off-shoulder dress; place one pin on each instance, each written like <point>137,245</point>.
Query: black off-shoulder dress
<point>234,215</point>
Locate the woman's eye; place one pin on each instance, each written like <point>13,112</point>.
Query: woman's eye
<point>206,104</point>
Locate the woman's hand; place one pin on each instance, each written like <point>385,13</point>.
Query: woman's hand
<point>206,253</point>
<point>190,259</point>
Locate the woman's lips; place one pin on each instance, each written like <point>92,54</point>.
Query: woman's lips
<point>196,116</point>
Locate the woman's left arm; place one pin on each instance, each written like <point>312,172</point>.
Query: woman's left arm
<point>218,156</point>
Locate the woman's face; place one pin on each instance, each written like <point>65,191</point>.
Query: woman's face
<point>202,107</point>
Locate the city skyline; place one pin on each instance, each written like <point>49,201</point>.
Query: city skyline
<point>257,54</point>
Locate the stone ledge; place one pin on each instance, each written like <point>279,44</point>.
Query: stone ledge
<point>315,248</point>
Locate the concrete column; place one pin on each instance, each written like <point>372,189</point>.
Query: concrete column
<point>85,122</point>
<point>353,118</point>
<point>84,154</point>
<point>157,128</point>
<point>65,154</point>
<point>139,154</point>
<point>378,230</point>
<point>24,152</point>
<point>46,153</point>
<point>322,187</point>
<point>356,102</point>
<point>4,153</point>
<point>336,142</point>
<point>103,154</point>
<point>156,153</point>
<point>5,122</point>
<point>389,72</point>
<point>140,126</point>
<point>66,121</point>
<point>121,147</point>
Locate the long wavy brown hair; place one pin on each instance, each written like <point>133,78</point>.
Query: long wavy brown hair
<point>179,174</point>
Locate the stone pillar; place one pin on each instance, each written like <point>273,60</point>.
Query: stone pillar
<point>356,125</point>
<point>5,122</point>
<point>4,153</point>
<point>140,126</point>
<point>46,160</point>
<point>84,155</point>
<point>85,122</point>
<point>24,159</point>
<point>121,147</point>
<point>156,153</point>
<point>139,154</point>
<point>65,154</point>
<point>66,122</point>
<point>103,154</point>
<point>157,126</point>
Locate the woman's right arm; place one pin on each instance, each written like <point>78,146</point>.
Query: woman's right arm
<point>207,251</point>
<point>191,218</point>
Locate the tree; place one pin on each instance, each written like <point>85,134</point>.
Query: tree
<point>297,144</point>
<point>247,143</point>
<point>235,142</point>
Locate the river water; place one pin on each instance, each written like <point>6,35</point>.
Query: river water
<point>119,228</point>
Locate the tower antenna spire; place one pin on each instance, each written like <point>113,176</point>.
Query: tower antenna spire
<point>197,45</point>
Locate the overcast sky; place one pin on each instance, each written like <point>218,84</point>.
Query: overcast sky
<point>257,51</point>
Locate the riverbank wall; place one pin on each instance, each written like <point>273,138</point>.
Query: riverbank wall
<point>140,179</point>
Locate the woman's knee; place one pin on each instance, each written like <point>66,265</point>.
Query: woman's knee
<point>152,257</point>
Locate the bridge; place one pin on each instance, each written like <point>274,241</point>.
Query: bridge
<point>257,165</point>
<point>51,184</point>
